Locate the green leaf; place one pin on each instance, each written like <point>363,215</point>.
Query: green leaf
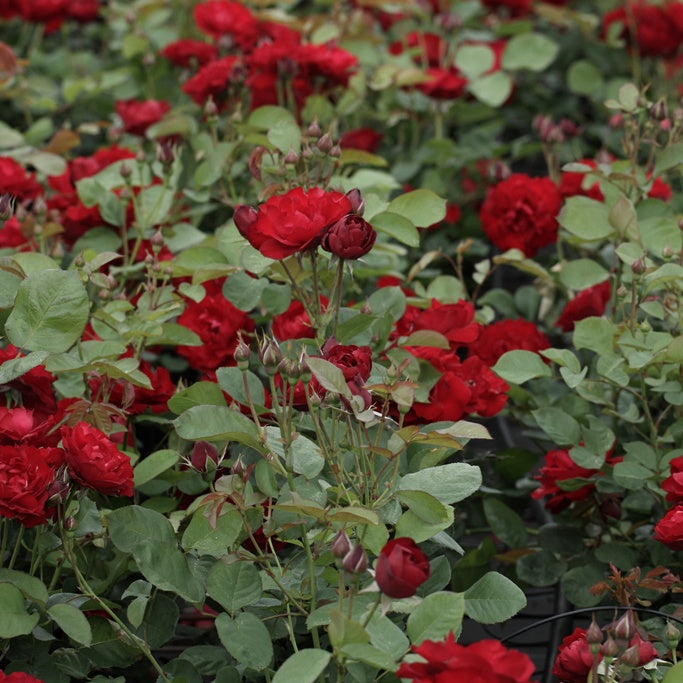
<point>231,381</point>
<point>584,78</point>
<point>493,89</point>
<point>207,540</point>
<point>243,291</point>
<point>283,130</point>
<point>50,312</point>
<point>421,207</point>
<point>16,367</point>
<point>586,219</point>
<point>576,584</point>
<point>540,568</point>
<point>505,523</point>
<point>668,158</point>
<point>398,227</point>
<point>493,598</point>
<point>449,483</point>
<point>153,205</point>
<point>582,273</point>
<point>246,638</point>
<point>72,621</point>
<point>387,636</point>
<point>217,423</point>
<point>630,474</point>
<point>596,334</point>
<point>532,51</point>
<point>133,525</point>
<point>561,428</point>
<point>303,666</point>
<point>14,619</point>
<point>30,586</point>
<point>425,506</point>
<point>520,366</point>
<point>329,375</point>
<point>9,285</point>
<point>474,60</point>
<point>370,655</point>
<point>153,465</point>
<point>413,526</point>
<point>235,585</point>
<point>674,674</point>
<point>197,394</point>
<point>437,615</point>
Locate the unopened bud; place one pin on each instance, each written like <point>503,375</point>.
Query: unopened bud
<point>305,373</point>
<point>622,291</point>
<point>270,356</point>
<point>289,370</point>
<point>40,207</point>
<point>624,628</point>
<point>340,545</point>
<point>594,637</point>
<point>325,143</point>
<point>645,327</point>
<point>501,171</point>
<point>357,202</point>
<point>609,648</point>
<point>291,157</point>
<point>242,354</point>
<point>673,635</point>
<point>79,261</point>
<point>165,153</point>
<point>157,239</point>
<point>616,121</point>
<point>336,152</point>
<point>355,561</point>
<point>630,657</point>
<point>56,492</point>
<point>210,108</point>
<point>313,129</point>
<point>667,252</point>
<point>639,266</point>
<point>148,59</point>
<point>658,110</point>
<point>204,456</point>
<point>70,523</point>
<point>125,171</point>
<point>306,152</point>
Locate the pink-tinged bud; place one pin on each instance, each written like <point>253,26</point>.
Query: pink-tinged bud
<point>210,108</point>
<point>6,207</point>
<point>336,152</point>
<point>125,171</point>
<point>501,171</point>
<point>245,217</point>
<point>40,207</point>
<point>357,202</point>
<point>165,153</point>
<point>673,635</point>
<point>313,130</point>
<point>569,128</point>
<point>57,492</point>
<point>624,628</point>
<point>254,162</point>
<point>157,239</point>
<point>616,121</point>
<point>242,354</point>
<point>658,110</point>
<point>665,125</point>
<point>355,561</point>
<point>291,157</point>
<point>630,657</point>
<point>270,355</point>
<point>611,508</point>
<point>609,648</point>
<point>349,238</point>
<point>340,545</point>
<point>70,523</point>
<point>639,266</point>
<point>204,456</point>
<point>305,371</point>
<point>325,143</point>
<point>594,637</point>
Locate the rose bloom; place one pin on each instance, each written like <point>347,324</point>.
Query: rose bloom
<point>574,658</point>
<point>656,31</point>
<point>443,84</point>
<point>366,139</point>
<point>290,223</point>
<point>454,321</point>
<point>188,52</point>
<point>588,302</point>
<point>294,323</point>
<point>426,47</point>
<point>83,11</point>
<point>42,10</point>
<point>218,18</point>
<point>12,236</point>
<point>138,116</point>
<point>26,473</point>
<point>673,484</point>
<point>20,424</point>
<point>213,80</point>
<point>486,661</point>
<point>217,322</point>
<point>401,568</point>
<point>507,335</point>
<point>517,8</point>
<point>34,387</point>
<point>349,238</point>
<point>520,213</point>
<point>18,677</point>
<point>16,181</point>
<point>669,529</point>
<point>94,461</point>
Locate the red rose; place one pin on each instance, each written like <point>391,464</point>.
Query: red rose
<point>34,386</point>
<point>83,11</point>
<point>218,18</point>
<point>14,180</point>
<point>42,10</point>
<point>486,661</point>
<point>138,116</point>
<point>453,321</point>
<point>520,213</point>
<point>669,529</point>
<point>294,323</point>
<point>26,473</point>
<point>574,659</point>
<point>351,360</point>
<point>588,302</point>
<point>401,568</point>
<point>94,461</point>
<point>290,223</point>
<point>18,677</point>
<point>326,61</point>
<point>489,392</point>
<point>673,484</point>
<point>366,139</point>
<point>507,335</point>
<point>217,322</point>
<point>424,46</point>
<point>187,52</point>
<point>12,236</point>
<point>349,238</point>
<point>213,80</point>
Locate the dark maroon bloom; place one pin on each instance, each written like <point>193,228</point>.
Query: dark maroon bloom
<point>401,568</point>
<point>588,302</point>
<point>213,80</point>
<point>349,238</point>
<point>187,52</point>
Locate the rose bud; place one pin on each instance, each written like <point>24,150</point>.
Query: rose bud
<point>357,202</point>
<point>204,456</point>
<point>355,561</point>
<point>340,545</point>
<point>401,568</point>
<point>349,238</point>
<point>624,628</point>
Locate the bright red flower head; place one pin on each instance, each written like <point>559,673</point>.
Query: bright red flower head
<point>349,238</point>
<point>669,529</point>
<point>673,484</point>
<point>294,323</point>
<point>218,18</point>
<point>507,335</point>
<point>486,661</point>
<point>401,568</point>
<point>94,461</point>
<point>213,80</point>
<point>138,116</point>
<point>520,213</point>
<point>187,52</point>
<point>574,659</point>
<point>293,222</point>
<point>18,677</point>
<point>588,302</point>
<point>14,180</point>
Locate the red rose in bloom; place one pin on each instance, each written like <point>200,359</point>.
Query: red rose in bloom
<point>18,677</point>
<point>673,484</point>
<point>294,323</point>
<point>574,658</point>
<point>219,18</point>
<point>11,236</point>
<point>138,116</point>
<point>350,359</point>
<point>213,80</point>
<point>669,529</point>
<point>560,467</point>
<point>588,302</point>
<point>83,11</point>
<point>349,238</point>
<point>507,335</point>
<point>453,321</point>
<point>217,322</point>
<point>26,473</point>
<point>42,10</point>
<point>515,8</point>
<point>401,568</point>
<point>486,661</point>
<point>20,424</point>
<point>16,181</point>
<point>292,222</point>
<point>443,84</point>
<point>520,213</point>
<point>489,392</point>
<point>366,139</point>
<point>656,32</point>
<point>429,48</point>
<point>34,387</point>
<point>94,461</point>
<point>187,52</point>
<point>571,183</point>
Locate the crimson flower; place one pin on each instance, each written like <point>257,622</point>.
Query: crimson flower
<point>401,568</point>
